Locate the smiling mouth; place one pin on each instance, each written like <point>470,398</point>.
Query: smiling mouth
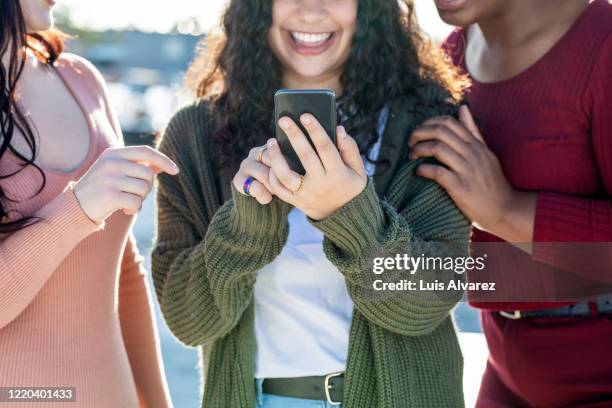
<point>310,39</point>
<point>310,44</point>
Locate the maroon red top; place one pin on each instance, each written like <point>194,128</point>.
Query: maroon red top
<point>551,128</point>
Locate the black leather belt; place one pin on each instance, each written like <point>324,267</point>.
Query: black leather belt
<point>328,388</point>
<point>603,305</point>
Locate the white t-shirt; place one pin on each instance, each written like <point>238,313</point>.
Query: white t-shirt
<point>303,311</point>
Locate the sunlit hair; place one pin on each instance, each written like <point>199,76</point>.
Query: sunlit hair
<point>14,41</point>
<point>238,72</point>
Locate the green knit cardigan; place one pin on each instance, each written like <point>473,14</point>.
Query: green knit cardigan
<point>211,242</point>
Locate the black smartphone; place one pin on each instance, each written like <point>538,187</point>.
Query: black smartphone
<point>293,103</point>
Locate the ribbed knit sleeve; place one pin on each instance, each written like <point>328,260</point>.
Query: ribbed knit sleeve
<point>562,218</point>
<point>204,267</point>
<point>416,218</point>
<point>29,257</point>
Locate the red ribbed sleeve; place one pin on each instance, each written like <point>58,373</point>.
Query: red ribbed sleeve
<point>564,218</point>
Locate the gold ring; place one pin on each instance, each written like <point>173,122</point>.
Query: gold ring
<point>261,153</point>
<point>300,186</point>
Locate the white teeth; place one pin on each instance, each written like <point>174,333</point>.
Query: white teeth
<point>308,38</point>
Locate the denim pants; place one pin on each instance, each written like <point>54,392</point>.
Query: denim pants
<point>274,401</point>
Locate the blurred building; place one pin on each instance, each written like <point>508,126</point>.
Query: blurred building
<point>144,59</point>
<point>144,71</point>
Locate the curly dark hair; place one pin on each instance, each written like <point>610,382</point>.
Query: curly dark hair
<point>14,41</point>
<point>390,56</point>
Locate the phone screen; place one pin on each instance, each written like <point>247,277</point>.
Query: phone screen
<point>293,103</point>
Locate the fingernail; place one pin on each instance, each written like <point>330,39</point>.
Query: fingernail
<point>284,123</point>
<point>342,132</point>
<point>306,119</point>
<point>271,142</point>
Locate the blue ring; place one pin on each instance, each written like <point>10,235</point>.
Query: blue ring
<point>247,185</point>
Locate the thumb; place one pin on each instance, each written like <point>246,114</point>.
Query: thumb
<point>466,118</point>
<point>349,151</point>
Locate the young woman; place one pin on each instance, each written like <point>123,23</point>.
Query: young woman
<point>270,271</point>
<point>539,170</point>
<point>74,308</point>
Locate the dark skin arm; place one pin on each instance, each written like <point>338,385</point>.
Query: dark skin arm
<point>473,177</point>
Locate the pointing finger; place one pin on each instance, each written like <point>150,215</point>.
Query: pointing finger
<point>148,156</point>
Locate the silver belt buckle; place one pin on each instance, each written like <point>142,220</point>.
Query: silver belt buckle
<point>328,387</point>
<point>511,315</point>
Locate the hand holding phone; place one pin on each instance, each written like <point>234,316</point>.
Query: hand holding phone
<point>334,172</point>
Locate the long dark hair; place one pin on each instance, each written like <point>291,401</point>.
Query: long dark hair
<point>238,71</point>
<point>14,41</point>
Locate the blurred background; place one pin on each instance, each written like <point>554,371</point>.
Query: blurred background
<point>143,49</point>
